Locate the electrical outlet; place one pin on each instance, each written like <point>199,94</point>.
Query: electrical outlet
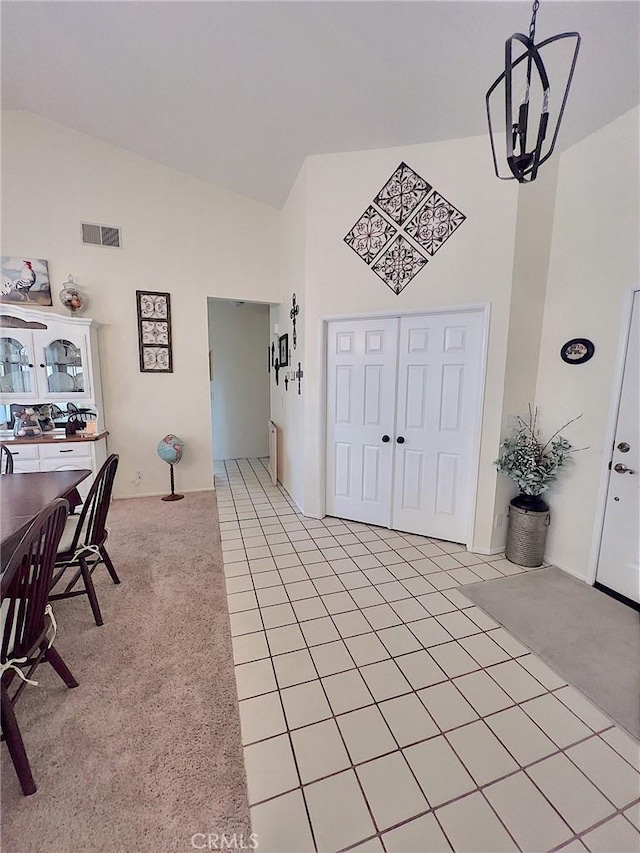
<point>498,521</point>
<point>137,477</point>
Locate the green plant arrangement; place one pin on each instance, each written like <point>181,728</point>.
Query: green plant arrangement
<point>532,464</point>
<point>529,462</point>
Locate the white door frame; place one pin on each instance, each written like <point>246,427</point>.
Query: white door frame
<point>612,422</point>
<point>485,309</point>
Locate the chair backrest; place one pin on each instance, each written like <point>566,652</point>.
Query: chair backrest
<point>90,529</point>
<point>6,460</point>
<point>26,581</point>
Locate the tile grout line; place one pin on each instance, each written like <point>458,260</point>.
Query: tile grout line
<point>291,747</point>
<point>457,608</point>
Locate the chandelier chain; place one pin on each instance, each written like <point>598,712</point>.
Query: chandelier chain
<point>532,25</point>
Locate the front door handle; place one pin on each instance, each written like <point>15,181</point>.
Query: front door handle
<point>400,439</point>
<point>622,469</point>
<point>385,438</point>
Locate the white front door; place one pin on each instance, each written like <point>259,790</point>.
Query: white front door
<point>403,404</point>
<point>619,559</point>
<point>361,383</point>
<point>439,393</point>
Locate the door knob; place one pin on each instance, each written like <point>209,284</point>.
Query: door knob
<point>385,438</point>
<point>622,469</point>
<point>400,439</point>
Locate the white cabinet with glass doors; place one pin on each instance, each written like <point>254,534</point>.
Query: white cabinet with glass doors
<point>48,358</point>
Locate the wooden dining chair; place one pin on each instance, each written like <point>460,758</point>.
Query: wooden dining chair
<point>83,545</point>
<point>28,627</point>
<point>6,460</point>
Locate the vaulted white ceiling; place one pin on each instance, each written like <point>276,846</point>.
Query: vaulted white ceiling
<point>238,93</point>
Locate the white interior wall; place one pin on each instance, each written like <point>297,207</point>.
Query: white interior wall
<point>180,235</point>
<point>54,177</point>
<point>238,342</point>
<point>474,267</point>
<point>534,228</point>
<point>595,260</point>
<point>287,406</point>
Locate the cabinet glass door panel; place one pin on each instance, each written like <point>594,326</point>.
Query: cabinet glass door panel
<point>16,367</point>
<point>64,367</point>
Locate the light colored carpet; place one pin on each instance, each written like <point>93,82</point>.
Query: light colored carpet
<point>588,637</point>
<point>147,750</point>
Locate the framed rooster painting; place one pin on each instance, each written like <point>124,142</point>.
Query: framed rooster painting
<point>25,281</point>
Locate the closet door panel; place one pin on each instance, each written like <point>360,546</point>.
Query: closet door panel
<point>439,371</point>
<point>361,377</point>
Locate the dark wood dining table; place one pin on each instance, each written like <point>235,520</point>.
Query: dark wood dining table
<point>23,496</point>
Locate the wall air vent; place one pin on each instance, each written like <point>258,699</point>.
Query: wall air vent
<point>101,235</point>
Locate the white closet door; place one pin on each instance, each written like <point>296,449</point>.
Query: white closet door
<point>361,380</point>
<point>439,393</point>
<point>619,560</point>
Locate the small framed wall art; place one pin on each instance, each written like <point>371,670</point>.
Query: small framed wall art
<point>154,331</point>
<point>577,351</point>
<point>283,350</point>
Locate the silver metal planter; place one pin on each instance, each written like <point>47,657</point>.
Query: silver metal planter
<point>529,519</point>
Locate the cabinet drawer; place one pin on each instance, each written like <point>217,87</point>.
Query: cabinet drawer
<point>65,451</point>
<point>74,464</point>
<point>23,451</point>
<point>25,466</point>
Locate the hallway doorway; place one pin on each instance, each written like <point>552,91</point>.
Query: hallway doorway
<point>239,378</point>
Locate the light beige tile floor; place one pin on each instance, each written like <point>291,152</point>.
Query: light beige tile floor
<point>381,710</point>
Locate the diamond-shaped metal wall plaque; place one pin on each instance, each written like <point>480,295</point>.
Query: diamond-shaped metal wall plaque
<point>402,193</point>
<point>420,221</point>
<point>398,264</point>
<point>371,233</point>
<point>434,223</point>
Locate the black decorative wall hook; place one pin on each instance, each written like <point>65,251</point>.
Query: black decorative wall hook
<point>286,383</point>
<point>295,310</point>
<point>273,354</point>
<point>276,368</point>
<point>299,375</point>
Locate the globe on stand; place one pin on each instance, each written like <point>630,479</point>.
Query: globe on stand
<point>170,451</point>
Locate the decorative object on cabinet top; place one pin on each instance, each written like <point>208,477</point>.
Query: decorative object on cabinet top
<point>50,415</point>
<point>27,425</point>
<point>25,281</point>
<point>71,297</point>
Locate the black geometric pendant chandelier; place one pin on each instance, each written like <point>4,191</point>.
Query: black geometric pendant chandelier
<point>525,156</point>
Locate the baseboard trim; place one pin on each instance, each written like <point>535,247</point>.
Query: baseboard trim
<point>486,552</point>
<point>290,496</point>
<point>617,595</point>
<point>548,558</point>
<point>161,494</point>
